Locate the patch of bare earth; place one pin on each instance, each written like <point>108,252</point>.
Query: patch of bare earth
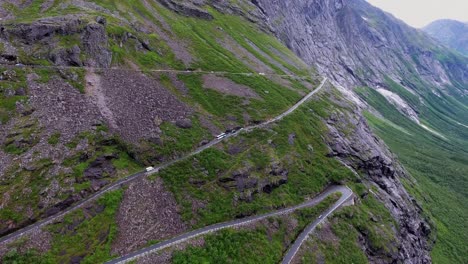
<point>243,54</point>
<point>46,5</point>
<point>252,61</point>
<point>4,160</point>
<point>296,63</point>
<point>268,57</point>
<point>178,47</point>
<point>180,85</point>
<point>226,86</point>
<point>136,101</point>
<point>94,89</point>
<point>147,213</point>
<point>38,240</point>
<point>326,234</point>
<point>206,123</point>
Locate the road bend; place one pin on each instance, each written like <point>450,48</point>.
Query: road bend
<point>292,251</point>
<point>23,231</point>
<point>346,194</point>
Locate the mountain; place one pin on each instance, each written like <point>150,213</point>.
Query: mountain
<point>417,99</point>
<point>452,33</point>
<point>93,92</point>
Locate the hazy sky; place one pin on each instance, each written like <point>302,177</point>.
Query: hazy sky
<point>419,13</point>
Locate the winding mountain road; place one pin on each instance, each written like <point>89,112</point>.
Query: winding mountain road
<point>19,233</point>
<point>346,194</point>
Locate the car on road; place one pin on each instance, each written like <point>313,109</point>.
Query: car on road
<point>150,168</point>
<point>261,73</point>
<point>222,135</point>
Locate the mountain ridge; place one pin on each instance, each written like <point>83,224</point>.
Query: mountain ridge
<point>452,33</point>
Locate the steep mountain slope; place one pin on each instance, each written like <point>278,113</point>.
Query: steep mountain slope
<point>452,33</point>
<point>419,105</point>
<point>111,86</point>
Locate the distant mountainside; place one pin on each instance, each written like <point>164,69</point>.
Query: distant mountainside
<point>450,32</point>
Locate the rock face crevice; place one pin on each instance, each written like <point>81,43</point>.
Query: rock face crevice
<point>367,154</point>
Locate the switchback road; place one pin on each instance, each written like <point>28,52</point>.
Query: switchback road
<point>346,194</point>
<point>19,233</point>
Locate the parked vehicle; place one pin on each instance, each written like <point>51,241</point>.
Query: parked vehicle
<point>149,169</point>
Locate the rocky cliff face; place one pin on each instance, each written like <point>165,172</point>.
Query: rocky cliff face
<point>356,43</point>
<point>367,154</point>
<point>88,41</point>
<point>452,33</point>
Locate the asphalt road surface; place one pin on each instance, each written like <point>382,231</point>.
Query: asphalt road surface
<point>346,194</point>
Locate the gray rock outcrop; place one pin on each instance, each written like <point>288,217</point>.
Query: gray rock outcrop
<point>365,153</point>
<point>90,37</point>
<point>355,43</point>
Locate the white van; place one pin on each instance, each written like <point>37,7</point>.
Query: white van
<point>220,136</point>
<point>149,169</point>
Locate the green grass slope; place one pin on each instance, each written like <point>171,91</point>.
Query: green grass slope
<point>438,164</point>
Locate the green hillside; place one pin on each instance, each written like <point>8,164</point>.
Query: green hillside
<point>437,161</point>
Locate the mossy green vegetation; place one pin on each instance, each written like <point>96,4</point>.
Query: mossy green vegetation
<point>24,138</point>
<point>54,139</point>
<point>12,89</point>
<point>35,10</point>
<point>275,98</point>
<point>101,145</point>
<point>174,141</point>
<point>36,181</point>
<point>92,237</point>
<point>439,165</point>
<point>367,219</point>
<point>198,178</point>
<point>86,233</point>
<point>264,243</point>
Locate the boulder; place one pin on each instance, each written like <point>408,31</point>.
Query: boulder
<point>184,123</point>
<point>100,168</point>
<point>67,57</point>
<point>95,43</point>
